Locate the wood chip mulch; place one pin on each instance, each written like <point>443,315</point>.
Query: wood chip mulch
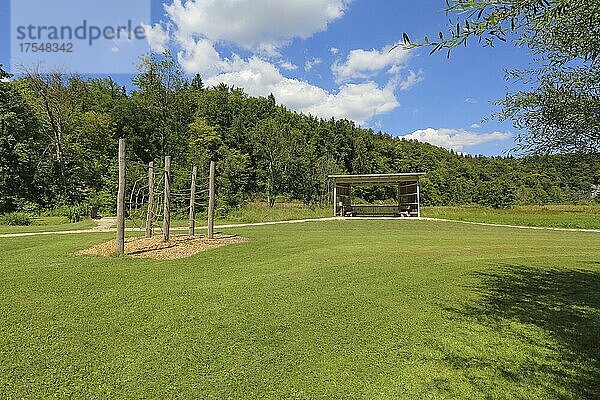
<point>179,246</point>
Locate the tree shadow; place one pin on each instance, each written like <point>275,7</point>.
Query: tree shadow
<point>564,303</point>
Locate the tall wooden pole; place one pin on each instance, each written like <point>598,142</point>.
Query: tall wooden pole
<point>167,200</point>
<point>193,202</point>
<point>121,200</point>
<point>211,201</point>
<point>150,213</point>
<point>399,199</point>
<point>418,199</point>
<point>335,199</point>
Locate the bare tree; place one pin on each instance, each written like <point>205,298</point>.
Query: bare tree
<point>56,105</point>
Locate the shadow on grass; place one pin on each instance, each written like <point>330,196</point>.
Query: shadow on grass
<point>565,304</point>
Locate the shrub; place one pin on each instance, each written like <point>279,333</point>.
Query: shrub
<point>76,213</point>
<point>72,213</point>
<point>30,208</point>
<point>104,202</point>
<point>16,219</point>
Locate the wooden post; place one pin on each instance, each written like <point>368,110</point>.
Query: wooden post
<point>211,201</point>
<point>167,200</point>
<point>150,214</point>
<point>192,225</point>
<point>121,200</point>
<point>334,199</point>
<point>399,200</point>
<point>418,199</point>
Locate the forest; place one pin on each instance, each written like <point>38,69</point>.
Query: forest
<point>59,134</point>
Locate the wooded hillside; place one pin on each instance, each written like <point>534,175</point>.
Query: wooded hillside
<point>58,146</point>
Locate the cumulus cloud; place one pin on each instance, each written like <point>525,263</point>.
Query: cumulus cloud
<point>157,37</point>
<point>259,25</point>
<point>357,102</point>
<point>363,64</point>
<point>199,27</point>
<point>334,50</point>
<point>475,126</point>
<point>201,57</point>
<point>456,139</point>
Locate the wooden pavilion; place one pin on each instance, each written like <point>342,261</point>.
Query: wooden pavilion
<point>408,196</point>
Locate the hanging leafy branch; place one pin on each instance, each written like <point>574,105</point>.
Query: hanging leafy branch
<point>561,113</point>
<point>561,29</point>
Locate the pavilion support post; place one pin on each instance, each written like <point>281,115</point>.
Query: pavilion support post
<point>150,213</point>
<point>349,199</point>
<point>167,200</point>
<point>418,200</point>
<point>192,224</point>
<point>121,200</point>
<point>334,199</point>
<point>399,199</point>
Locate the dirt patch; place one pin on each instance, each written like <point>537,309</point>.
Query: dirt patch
<point>180,246</point>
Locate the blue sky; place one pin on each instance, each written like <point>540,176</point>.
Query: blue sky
<point>325,57</point>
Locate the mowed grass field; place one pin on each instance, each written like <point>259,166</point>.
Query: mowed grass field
<point>48,224</point>
<point>321,310</point>
<point>556,216</point>
<point>261,212</point>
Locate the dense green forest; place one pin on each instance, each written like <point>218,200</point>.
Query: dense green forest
<point>58,146</point>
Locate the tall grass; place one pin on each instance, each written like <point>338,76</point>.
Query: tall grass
<point>559,216</point>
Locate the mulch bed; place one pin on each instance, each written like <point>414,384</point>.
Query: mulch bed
<point>179,246</point>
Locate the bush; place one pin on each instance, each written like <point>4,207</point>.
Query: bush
<point>76,213</point>
<point>104,202</point>
<point>16,219</point>
<point>72,213</point>
<point>30,208</point>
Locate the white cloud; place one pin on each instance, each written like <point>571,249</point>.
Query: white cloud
<point>456,139</point>
<point>475,126</point>
<point>263,27</point>
<point>364,64</point>
<point>471,100</point>
<point>313,62</point>
<point>357,102</point>
<point>287,65</point>
<point>411,80</point>
<point>157,37</point>
<point>201,57</point>
<point>334,50</point>
<point>258,25</point>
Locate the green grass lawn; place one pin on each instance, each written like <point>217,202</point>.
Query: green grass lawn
<point>48,224</point>
<point>327,310</point>
<point>559,216</point>
<point>261,212</point>
<point>562,216</point>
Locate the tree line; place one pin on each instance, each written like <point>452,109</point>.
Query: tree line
<point>59,133</point>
